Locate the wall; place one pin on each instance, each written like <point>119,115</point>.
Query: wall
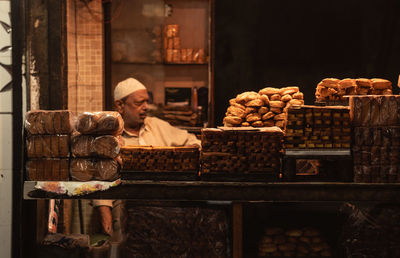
<point>85,55</point>
<point>5,138</point>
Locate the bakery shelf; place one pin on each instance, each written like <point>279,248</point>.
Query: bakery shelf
<point>236,191</point>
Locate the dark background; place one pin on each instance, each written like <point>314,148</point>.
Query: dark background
<point>260,43</point>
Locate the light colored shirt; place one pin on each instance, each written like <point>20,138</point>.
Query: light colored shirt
<point>156,132</point>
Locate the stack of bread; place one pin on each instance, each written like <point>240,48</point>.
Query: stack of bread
<point>281,242</point>
<point>96,146</point>
<point>266,108</point>
<point>332,89</point>
<point>376,134</point>
<point>47,144</point>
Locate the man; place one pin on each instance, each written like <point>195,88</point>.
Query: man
<point>131,100</point>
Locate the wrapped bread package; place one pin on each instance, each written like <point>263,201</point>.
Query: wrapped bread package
<point>82,169</point>
<point>100,123</point>
<point>105,146</point>
<point>47,146</point>
<point>47,169</point>
<point>373,110</point>
<point>49,122</point>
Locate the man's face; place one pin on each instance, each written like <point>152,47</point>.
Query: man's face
<point>134,109</point>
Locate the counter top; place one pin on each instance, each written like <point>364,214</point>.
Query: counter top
<point>234,191</point>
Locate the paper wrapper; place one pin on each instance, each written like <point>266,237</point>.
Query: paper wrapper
<point>75,188</point>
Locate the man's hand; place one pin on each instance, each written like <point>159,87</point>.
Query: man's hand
<point>106,219</point>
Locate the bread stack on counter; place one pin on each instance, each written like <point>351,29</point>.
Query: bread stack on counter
<point>235,151</point>
<point>47,144</point>
<point>265,108</point>
<point>331,89</point>
<point>376,133</point>
<point>318,127</point>
<point>304,242</point>
<point>96,146</point>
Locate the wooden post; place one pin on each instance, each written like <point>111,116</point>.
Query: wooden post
<point>237,230</point>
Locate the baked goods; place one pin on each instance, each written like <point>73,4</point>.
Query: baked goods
<point>100,123</point>
<point>242,151</point>
<point>376,135</point>
<point>104,146</point>
<point>318,127</point>
<point>332,89</point>
<point>47,169</point>
<point>160,159</point>
<point>47,146</point>
<point>49,122</point>
<point>254,109</point>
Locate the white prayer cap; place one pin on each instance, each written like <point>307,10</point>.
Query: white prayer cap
<point>127,87</point>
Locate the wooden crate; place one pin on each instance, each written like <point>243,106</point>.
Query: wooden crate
<point>159,163</point>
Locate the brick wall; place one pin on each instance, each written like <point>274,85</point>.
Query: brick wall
<point>85,55</point>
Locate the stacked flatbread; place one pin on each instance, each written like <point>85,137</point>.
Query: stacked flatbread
<point>262,109</point>
<point>331,89</point>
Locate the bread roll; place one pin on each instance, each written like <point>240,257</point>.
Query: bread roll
<point>286,98</point>
<point>363,82</point>
<point>297,95</point>
<point>257,124</point>
<point>281,116</point>
<point>235,111</point>
<point>249,110</point>
<point>269,91</point>
<point>238,106</point>
<point>232,101</point>
<point>347,83</point>
<point>246,96</point>
<point>276,110</point>
<point>265,99</point>
<point>275,97</point>
<point>277,104</point>
<point>267,116</point>
<point>297,102</point>
<point>381,84</point>
<point>288,90</point>
<point>253,117</point>
<point>263,110</point>
<point>245,124</point>
<point>330,83</point>
<point>255,103</point>
<point>233,120</point>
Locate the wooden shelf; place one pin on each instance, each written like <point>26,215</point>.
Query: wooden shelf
<point>236,191</point>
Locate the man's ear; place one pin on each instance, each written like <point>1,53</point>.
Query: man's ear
<point>119,105</point>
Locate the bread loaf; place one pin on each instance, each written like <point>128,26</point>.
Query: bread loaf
<point>106,146</point>
<point>47,169</point>
<point>49,122</point>
<point>47,146</point>
<point>105,122</point>
<point>106,170</point>
<point>269,91</point>
<point>82,169</point>
<point>82,145</point>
